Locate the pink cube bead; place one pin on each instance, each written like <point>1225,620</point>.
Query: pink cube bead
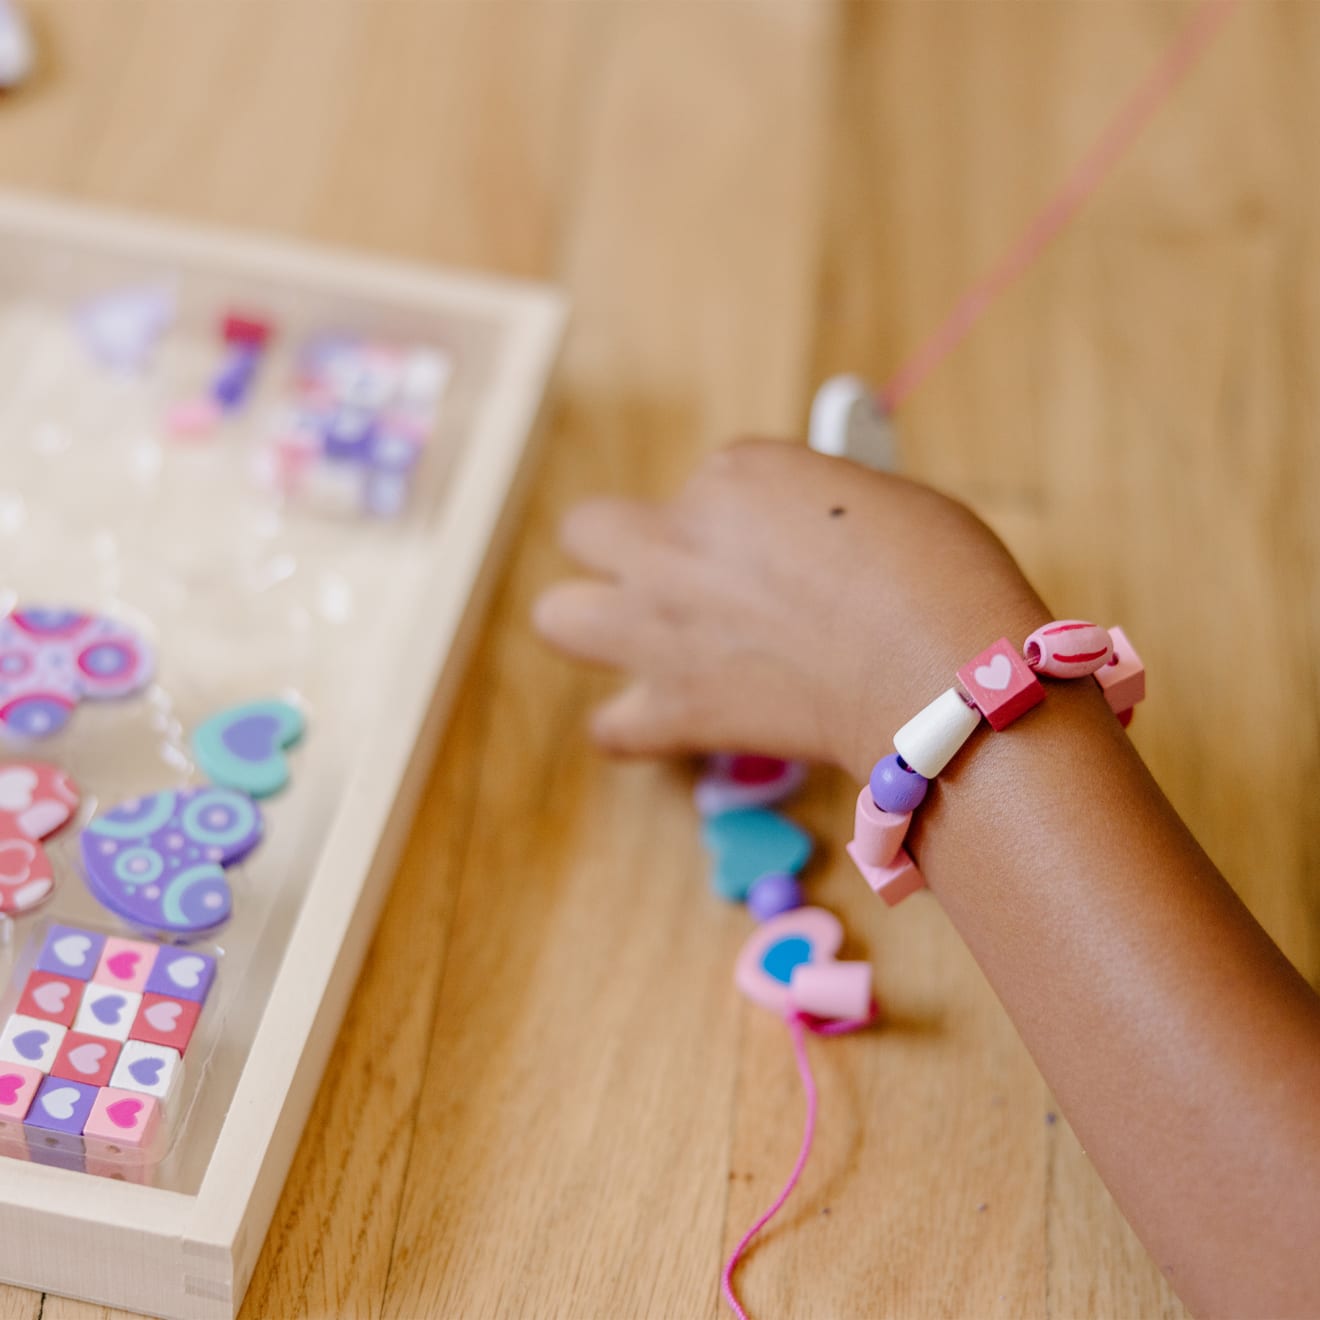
<point>878,835</point>
<point>126,1118</point>
<point>1124,677</point>
<point>835,990</point>
<point>1068,648</point>
<point>1001,684</point>
<point>895,882</point>
<point>18,1084</point>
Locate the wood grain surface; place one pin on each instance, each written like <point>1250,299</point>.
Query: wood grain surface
<point>547,1099</point>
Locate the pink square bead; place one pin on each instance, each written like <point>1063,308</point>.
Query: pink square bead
<point>126,964</point>
<point>895,882</point>
<point>878,835</point>
<point>1124,677</point>
<point>1001,684</point>
<point>18,1084</point>
<point>126,1118</point>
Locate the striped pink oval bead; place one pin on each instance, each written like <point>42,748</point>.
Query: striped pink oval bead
<point>1068,648</point>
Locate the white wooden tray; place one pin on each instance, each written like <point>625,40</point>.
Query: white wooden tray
<point>365,623</point>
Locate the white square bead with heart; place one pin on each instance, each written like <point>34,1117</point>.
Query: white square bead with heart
<point>152,1069</point>
<point>33,1041</point>
<point>107,1011</point>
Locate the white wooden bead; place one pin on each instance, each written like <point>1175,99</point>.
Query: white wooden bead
<point>928,741</point>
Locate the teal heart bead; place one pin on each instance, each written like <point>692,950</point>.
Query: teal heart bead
<point>243,748</point>
<point>750,843</point>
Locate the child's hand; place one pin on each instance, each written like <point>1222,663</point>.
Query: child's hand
<point>784,603</point>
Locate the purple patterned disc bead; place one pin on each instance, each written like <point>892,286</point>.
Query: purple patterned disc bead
<point>896,788</point>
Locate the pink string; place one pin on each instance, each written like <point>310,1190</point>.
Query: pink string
<point>798,1025</point>
<point>1112,144</point>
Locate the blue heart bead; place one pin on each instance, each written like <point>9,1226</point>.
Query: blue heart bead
<point>146,1071</point>
<point>107,1010</point>
<point>31,1043</point>
<point>784,955</point>
<point>243,748</point>
<point>750,843</point>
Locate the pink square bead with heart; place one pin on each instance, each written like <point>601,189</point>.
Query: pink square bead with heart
<point>87,1059</point>
<point>126,964</point>
<point>18,1084</point>
<point>123,1118</point>
<point>1001,684</point>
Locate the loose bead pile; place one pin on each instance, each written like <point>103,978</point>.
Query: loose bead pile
<point>1002,686</point>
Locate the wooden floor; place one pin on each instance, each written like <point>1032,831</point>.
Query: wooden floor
<point>548,1100</point>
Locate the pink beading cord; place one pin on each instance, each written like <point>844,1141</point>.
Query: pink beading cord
<point>1098,163</point>
<point>1118,136</point>
<point>798,1025</point>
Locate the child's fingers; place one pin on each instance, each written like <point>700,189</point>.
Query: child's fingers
<point>607,535</point>
<point>640,722</point>
<point>594,621</point>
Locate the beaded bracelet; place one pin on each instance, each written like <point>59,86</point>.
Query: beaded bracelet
<point>1000,685</point>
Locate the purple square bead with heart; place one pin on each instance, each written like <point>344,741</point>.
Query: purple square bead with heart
<point>71,952</point>
<point>182,974</point>
<point>61,1106</point>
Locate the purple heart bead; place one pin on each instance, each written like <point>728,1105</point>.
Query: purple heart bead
<point>107,1010</point>
<point>146,1071</point>
<point>31,1043</point>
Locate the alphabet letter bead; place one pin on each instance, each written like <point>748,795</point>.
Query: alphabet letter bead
<point>125,1118</point>
<point>1124,677</point>
<point>1001,684</point>
<point>837,990</point>
<point>928,741</point>
<point>878,835</point>
<point>1068,648</point>
<point>894,882</point>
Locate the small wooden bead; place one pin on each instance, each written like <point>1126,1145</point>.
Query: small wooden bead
<point>1001,684</point>
<point>877,834</point>
<point>928,741</point>
<point>896,787</point>
<point>840,991</point>
<point>1068,648</point>
<point>895,882</point>
<point>1124,677</point>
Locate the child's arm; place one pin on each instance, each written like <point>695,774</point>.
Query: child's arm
<point>795,605</point>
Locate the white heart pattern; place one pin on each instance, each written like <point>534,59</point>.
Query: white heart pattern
<point>16,858</point>
<point>16,785</point>
<point>50,997</point>
<point>72,950</point>
<point>59,1104</point>
<point>87,1058</point>
<point>186,973</point>
<point>164,1017</point>
<point>995,676</point>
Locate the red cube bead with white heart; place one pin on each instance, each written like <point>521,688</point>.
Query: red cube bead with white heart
<point>126,964</point>
<point>54,998</point>
<point>1001,684</point>
<point>152,1069</point>
<point>108,1012</point>
<point>87,1059</point>
<point>126,1118</point>
<point>163,1020</point>
<point>1124,677</point>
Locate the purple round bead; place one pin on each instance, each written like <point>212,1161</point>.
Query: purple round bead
<point>896,788</point>
<point>773,894</point>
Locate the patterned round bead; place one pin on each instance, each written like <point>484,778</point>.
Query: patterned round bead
<point>773,894</point>
<point>1068,648</point>
<point>897,788</point>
